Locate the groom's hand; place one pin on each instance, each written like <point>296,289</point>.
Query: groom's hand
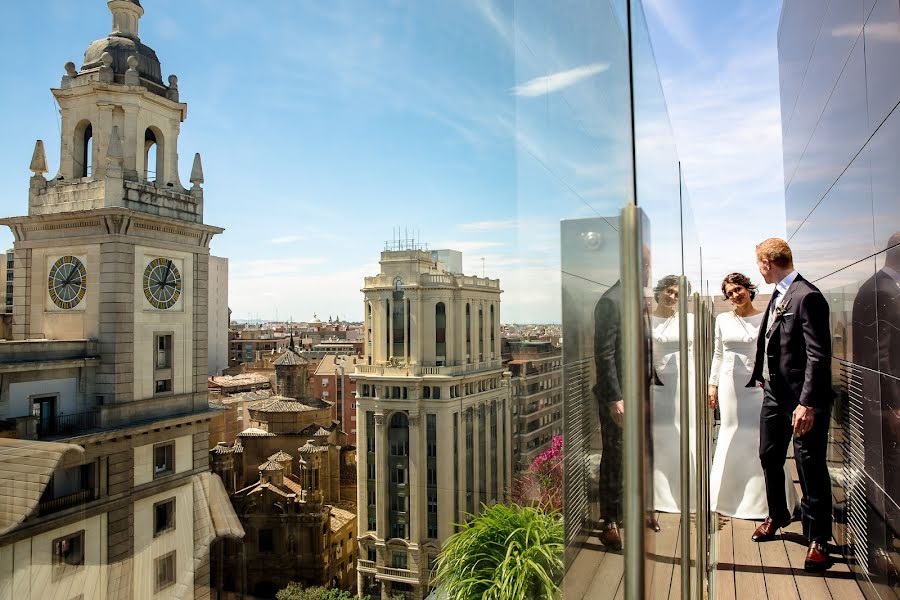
<point>617,412</point>
<point>802,419</point>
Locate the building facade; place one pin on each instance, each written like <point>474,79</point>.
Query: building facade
<point>108,351</point>
<point>536,369</point>
<point>841,129</point>
<point>433,416</point>
<point>219,315</point>
<point>333,383</point>
<point>286,475</point>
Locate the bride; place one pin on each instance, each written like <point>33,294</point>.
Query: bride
<point>737,485</point>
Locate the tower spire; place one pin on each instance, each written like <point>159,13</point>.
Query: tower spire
<point>39,159</point>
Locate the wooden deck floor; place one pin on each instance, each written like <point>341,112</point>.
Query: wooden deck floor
<point>745,570</point>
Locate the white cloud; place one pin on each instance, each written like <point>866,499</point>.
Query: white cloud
<point>547,84</point>
<point>672,20</point>
<point>288,239</point>
<point>490,225</point>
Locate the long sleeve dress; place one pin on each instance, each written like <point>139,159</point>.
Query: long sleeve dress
<point>737,485</point>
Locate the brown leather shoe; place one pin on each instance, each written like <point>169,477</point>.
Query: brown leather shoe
<point>816,558</point>
<point>611,538</point>
<point>767,530</point>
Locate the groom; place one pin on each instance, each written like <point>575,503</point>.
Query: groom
<point>793,366</point>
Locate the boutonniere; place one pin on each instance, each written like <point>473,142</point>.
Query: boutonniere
<point>781,311</point>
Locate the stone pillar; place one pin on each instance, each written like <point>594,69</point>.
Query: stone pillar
<point>362,472</point>
<point>476,460</point>
<point>382,476</point>
<point>489,441</point>
<point>416,469</point>
<point>445,466</point>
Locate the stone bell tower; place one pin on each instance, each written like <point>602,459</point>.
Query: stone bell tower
<point>114,247</point>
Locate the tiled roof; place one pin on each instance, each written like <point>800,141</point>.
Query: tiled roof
<point>281,456</point>
<point>340,517</point>
<point>281,404</point>
<point>255,432</point>
<point>289,359</point>
<point>222,448</point>
<point>292,485</point>
<point>309,447</point>
<point>271,465</point>
<point>322,432</point>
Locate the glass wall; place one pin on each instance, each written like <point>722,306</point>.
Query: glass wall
<point>533,137</point>
<point>841,137</point>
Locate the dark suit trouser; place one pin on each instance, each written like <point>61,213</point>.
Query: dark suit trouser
<point>611,482</point>
<point>810,453</point>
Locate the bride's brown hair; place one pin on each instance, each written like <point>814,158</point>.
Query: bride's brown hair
<point>741,280</point>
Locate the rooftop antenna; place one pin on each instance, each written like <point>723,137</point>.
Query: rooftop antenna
<point>482,267</point>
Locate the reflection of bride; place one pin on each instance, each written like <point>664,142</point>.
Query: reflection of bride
<point>666,426</point>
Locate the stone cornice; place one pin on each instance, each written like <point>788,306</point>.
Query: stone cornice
<point>115,89</point>
<point>112,221</point>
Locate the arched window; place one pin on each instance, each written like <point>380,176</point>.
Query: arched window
<point>84,149</point>
<point>369,331</point>
<point>440,331</point>
<point>153,155</point>
<point>468,333</point>
<point>480,334</point>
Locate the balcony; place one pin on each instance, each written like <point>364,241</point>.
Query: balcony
<point>387,370</point>
<point>366,566</point>
<point>46,507</point>
<point>59,425</point>
<point>401,575</point>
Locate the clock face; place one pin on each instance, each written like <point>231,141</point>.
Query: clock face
<point>162,283</point>
<point>67,282</point>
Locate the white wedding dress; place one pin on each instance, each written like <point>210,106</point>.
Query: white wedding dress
<point>666,420</point>
<point>737,485</point>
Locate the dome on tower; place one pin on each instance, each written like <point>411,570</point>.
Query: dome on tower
<point>121,44</point>
<point>120,48</point>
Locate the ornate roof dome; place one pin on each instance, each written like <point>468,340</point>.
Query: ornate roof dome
<point>121,44</point>
<point>120,48</point>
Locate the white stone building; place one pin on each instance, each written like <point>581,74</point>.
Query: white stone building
<point>105,490</point>
<point>433,416</point>
<point>219,319</point>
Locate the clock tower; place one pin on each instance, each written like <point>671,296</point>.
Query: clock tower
<point>109,346</point>
<point>114,247</point>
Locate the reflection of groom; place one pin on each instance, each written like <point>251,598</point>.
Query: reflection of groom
<point>608,392</point>
<point>793,364</point>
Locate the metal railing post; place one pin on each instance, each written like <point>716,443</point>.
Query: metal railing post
<point>634,394</point>
<point>702,506</point>
<point>684,398</point>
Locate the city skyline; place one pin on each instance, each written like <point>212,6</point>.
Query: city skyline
<point>375,109</point>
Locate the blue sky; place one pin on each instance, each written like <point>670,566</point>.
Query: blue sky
<point>322,126</point>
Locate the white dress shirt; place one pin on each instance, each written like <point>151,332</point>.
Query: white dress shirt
<point>781,289</point>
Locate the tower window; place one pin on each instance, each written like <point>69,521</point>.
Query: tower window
<point>440,331</point>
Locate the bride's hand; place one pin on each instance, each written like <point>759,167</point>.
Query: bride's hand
<point>712,395</point>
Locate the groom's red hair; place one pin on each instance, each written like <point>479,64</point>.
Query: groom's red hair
<point>776,251</point>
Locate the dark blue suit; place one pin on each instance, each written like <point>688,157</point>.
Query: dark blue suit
<point>799,361</point>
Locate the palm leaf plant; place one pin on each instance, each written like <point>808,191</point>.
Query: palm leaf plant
<point>509,552</point>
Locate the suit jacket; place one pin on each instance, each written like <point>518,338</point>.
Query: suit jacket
<point>799,349</point>
<point>608,346</point>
